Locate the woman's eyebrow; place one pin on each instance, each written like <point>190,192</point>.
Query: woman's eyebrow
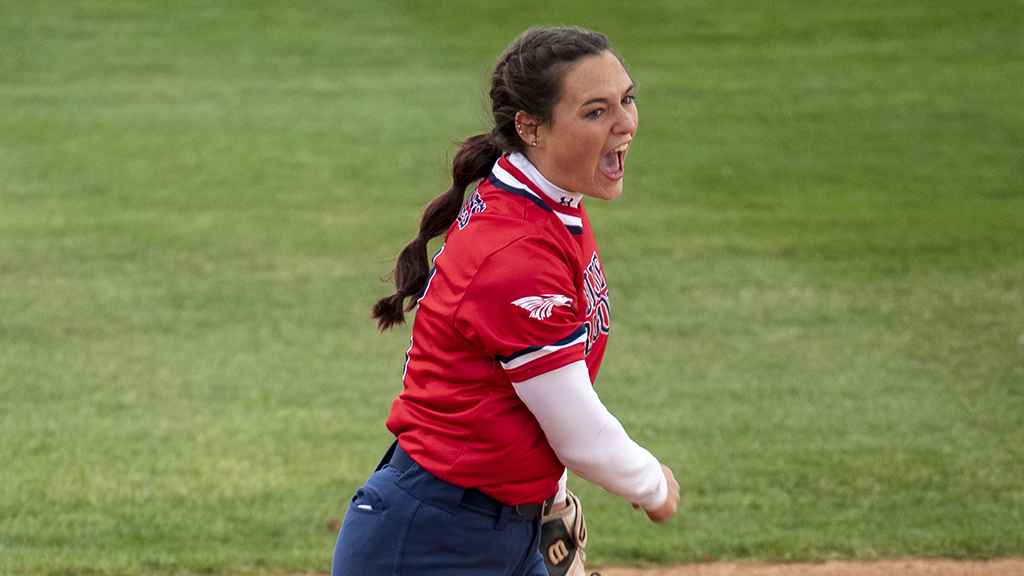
<point>603,100</point>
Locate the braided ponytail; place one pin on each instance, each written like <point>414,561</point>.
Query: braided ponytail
<point>473,161</point>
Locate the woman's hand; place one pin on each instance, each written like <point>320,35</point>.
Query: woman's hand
<point>668,509</point>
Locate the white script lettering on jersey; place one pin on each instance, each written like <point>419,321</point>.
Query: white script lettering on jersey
<point>540,307</point>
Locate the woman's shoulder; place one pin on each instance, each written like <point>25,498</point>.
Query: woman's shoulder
<point>491,220</point>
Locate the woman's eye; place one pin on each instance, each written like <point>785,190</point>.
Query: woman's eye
<point>594,113</point>
<point>628,99</point>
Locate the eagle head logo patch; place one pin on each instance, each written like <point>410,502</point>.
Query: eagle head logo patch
<point>540,307</point>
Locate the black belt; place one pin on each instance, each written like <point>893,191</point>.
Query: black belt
<point>472,497</point>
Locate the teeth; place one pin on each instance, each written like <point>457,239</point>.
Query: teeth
<point>622,148</point>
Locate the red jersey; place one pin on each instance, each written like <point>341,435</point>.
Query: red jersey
<point>517,290</point>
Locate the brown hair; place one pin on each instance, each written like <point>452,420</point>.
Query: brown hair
<point>527,77</point>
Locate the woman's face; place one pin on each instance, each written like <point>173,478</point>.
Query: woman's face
<point>583,149</point>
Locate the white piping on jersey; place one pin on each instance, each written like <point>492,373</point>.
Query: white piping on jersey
<point>558,195</point>
<point>522,359</point>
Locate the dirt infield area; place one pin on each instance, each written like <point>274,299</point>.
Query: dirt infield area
<point>908,567</point>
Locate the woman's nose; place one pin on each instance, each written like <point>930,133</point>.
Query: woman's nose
<point>626,122</point>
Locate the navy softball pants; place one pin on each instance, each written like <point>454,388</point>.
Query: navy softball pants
<point>411,523</point>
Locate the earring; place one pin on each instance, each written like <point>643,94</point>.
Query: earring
<point>534,143</point>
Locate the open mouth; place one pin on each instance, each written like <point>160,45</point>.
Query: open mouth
<point>612,162</point>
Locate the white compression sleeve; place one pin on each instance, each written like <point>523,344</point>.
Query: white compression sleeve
<point>562,493</point>
<point>589,440</point>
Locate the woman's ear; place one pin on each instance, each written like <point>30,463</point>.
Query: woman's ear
<point>526,127</point>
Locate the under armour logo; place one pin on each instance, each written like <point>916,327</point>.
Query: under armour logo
<point>565,201</point>
<point>540,307</point>
<point>558,552</point>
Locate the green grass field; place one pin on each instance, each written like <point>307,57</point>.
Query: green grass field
<point>817,271</point>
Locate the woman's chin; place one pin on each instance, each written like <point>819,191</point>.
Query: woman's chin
<point>605,188</point>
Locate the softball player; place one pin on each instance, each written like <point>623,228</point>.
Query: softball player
<point>511,329</point>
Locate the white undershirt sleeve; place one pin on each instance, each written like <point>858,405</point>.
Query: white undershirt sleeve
<point>589,440</point>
